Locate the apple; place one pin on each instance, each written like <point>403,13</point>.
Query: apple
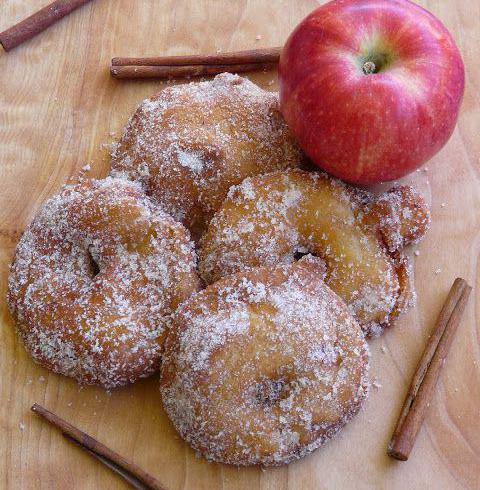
<point>371,88</point>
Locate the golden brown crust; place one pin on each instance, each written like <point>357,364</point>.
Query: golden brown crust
<point>270,219</point>
<point>400,215</point>
<point>264,366</point>
<point>190,143</point>
<point>95,277</point>
<point>406,292</point>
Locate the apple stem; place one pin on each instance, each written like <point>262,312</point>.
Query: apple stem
<point>369,67</point>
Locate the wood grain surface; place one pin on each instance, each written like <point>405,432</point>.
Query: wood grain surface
<point>59,110</point>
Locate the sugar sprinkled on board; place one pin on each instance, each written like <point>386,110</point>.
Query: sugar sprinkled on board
<point>376,384</point>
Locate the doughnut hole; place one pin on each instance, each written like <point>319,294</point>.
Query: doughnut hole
<point>272,389</point>
<point>94,267</point>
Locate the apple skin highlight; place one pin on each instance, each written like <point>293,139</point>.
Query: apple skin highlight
<point>371,88</point>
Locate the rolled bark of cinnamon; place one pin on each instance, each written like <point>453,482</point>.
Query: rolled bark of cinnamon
<point>38,22</point>
<point>428,371</point>
<point>197,65</point>
<point>264,55</point>
<point>186,71</point>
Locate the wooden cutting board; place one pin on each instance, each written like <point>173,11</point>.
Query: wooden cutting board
<point>60,110</point>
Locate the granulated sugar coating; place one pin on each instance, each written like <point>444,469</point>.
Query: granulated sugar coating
<point>263,367</point>
<point>274,218</point>
<point>95,277</point>
<point>190,143</point>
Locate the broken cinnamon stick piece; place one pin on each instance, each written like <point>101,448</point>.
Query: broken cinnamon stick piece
<point>112,459</point>
<point>38,22</point>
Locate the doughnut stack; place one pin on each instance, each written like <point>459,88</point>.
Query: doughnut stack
<point>214,253</point>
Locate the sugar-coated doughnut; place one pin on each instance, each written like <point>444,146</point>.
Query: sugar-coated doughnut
<point>264,366</point>
<point>95,278</point>
<point>190,143</point>
<point>270,219</point>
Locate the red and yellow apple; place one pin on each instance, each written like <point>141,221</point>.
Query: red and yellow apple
<point>371,88</point>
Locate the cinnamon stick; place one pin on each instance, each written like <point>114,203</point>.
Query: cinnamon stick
<point>266,55</point>
<point>101,451</point>
<point>38,22</point>
<point>165,72</point>
<point>428,371</point>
